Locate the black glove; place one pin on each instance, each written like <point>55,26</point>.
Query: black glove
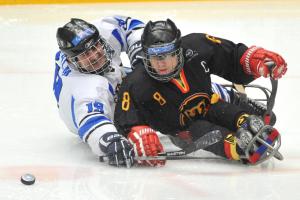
<point>135,54</point>
<point>118,149</point>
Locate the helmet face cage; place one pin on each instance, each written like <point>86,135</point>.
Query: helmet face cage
<point>84,47</point>
<point>161,44</point>
<point>96,59</point>
<point>164,77</point>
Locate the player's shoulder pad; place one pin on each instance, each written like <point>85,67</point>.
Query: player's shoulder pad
<point>192,40</point>
<point>200,42</point>
<point>87,84</point>
<point>137,79</point>
<point>91,79</point>
<point>201,37</point>
<point>128,23</point>
<point>138,75</point>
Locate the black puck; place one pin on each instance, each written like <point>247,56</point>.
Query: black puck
<point>27,179</point>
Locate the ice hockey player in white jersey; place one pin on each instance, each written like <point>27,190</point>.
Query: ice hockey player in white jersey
<point>87,75</point>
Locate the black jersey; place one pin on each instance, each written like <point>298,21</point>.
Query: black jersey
<point>170,107</point>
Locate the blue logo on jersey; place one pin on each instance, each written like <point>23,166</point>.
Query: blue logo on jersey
<point>121,23</point>
<point>134,23</point>
<point>66,71</point>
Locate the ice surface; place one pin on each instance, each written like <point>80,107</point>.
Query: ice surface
<point>34,140</point>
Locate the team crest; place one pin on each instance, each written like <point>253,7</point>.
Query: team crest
<point>194,107</point>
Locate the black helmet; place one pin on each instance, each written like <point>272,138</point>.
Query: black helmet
<point>78,37</point>
<point>159,39</point>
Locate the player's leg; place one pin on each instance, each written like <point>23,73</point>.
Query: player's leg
<point>238,98</point>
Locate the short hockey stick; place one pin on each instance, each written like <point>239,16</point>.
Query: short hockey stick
<point>203,142</point>
<point>268,114</point>
<point>172,155</point>
<point>267,117</point>
<point>179,157</point>
<point>271,101</point>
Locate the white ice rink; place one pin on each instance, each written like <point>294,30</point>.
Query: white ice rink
<point>34,140</point>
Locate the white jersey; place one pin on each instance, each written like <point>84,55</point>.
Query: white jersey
<point>86,101</point>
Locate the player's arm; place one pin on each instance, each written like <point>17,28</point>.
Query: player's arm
<point>223,58</point>
<point>124,34</point>
<point>240,64</point>
<point>92,116</point>
<point>129,120</point>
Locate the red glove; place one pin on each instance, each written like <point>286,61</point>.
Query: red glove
<point>255,62</point>
<point>146,143</point>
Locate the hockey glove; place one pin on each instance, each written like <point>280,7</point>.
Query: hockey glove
<point>257,141</point>
<point>135,54</point>
<point>118,149</point>
<point>146,143</point>
<point>257,61</point>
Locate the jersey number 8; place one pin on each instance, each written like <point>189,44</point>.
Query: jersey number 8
<point>125,101</point>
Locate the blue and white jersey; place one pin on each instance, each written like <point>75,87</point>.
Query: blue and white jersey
<point>221,91</point>
<point>86,102</point>
<point>122,33</point>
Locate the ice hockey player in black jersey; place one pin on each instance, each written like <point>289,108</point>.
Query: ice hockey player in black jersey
<point>172,93</point>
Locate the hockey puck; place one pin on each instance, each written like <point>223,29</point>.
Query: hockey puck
<point>27,179</point>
